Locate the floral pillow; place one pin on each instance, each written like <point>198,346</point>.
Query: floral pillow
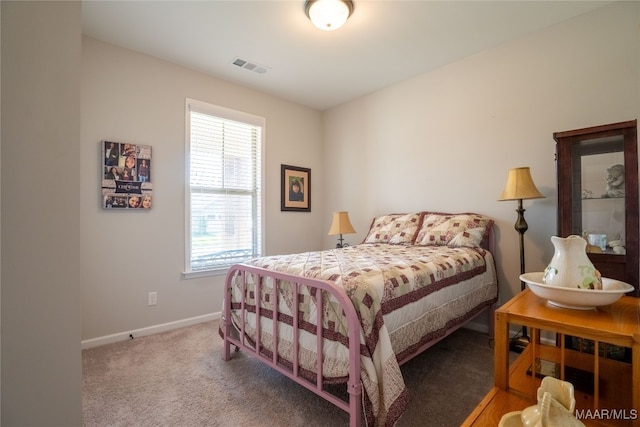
<point>441,229</point>
<point>398,229</point>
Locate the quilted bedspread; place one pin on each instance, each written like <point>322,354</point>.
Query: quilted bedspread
<point>379,278</point>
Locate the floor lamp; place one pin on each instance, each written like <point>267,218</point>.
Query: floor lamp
<point>519,187</point>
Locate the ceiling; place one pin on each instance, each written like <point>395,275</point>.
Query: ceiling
<point>382,43</point>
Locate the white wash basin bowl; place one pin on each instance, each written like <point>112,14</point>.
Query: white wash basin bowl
<point>576,298</point>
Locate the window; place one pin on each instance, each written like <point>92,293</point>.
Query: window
<point>223,187</point>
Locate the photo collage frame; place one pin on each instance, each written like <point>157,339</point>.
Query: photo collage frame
<point>126,176</point>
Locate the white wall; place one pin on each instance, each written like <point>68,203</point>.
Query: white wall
<point>445,140</point>
<point>133,98</point>
<point>41,365</point>
<point>455,132</point>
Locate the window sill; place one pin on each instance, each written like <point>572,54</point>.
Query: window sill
<point>205,273</point>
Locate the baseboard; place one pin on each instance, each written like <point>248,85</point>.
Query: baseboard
<point>150,330</point>
<point>477,327</point>
<point>547,337</point>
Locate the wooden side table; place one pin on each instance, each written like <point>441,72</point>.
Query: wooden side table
<point>615,395</point>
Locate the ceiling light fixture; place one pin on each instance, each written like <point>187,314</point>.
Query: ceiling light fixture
<point>328,15</point>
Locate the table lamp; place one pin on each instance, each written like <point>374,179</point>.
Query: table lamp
<point>341,225</point>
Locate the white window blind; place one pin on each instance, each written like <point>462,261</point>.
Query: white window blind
<point>223,186</point>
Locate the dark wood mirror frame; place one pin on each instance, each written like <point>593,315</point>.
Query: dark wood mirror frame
<point>571,146</point>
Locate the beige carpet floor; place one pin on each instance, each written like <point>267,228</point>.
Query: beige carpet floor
<point>179,379</point>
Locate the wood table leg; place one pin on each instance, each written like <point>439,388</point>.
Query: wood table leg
<point>501,359</point>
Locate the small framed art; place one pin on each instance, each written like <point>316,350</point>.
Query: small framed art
<point>296,189</point>
<point>126,176</point>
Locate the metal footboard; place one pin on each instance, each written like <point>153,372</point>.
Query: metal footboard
<point>258,275</point>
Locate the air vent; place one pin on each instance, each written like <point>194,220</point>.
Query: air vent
<point>250,66</point>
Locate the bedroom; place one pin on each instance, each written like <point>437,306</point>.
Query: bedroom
<point>498,109</point>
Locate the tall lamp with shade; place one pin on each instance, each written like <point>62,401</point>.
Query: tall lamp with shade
<point>341,225</point>
<point>519,187</point>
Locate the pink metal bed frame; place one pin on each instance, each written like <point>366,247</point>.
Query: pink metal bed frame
<point>354,387</point>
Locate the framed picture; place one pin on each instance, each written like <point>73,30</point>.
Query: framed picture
<point>126,176</point>
<point>296,189</point>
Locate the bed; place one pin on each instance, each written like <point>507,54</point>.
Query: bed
<point>366,308</point>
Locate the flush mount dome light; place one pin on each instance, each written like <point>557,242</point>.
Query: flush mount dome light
<point>328,15</point>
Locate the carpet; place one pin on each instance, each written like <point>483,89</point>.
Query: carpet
<point>179,379</point>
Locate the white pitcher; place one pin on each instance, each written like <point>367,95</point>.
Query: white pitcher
<point>570,266</point>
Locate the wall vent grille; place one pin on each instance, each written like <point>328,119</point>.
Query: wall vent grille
<point>250,65</point>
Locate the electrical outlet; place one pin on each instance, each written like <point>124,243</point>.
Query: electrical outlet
<point>153,298</point>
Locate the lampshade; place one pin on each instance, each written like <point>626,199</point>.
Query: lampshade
<point>341,224</point>
<point>520,186</point>
<point>328,15</point>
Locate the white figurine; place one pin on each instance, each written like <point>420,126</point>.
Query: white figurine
<point>556,403</point>
<point>615,181</point>
<point>617,247</point>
